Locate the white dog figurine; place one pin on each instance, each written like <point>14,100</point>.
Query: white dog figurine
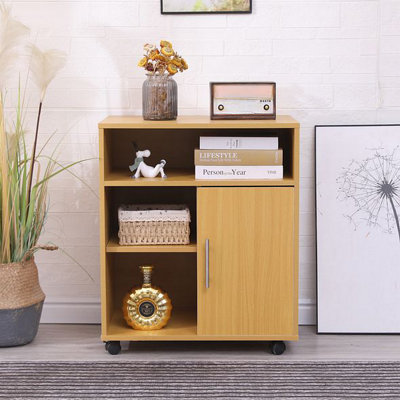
<point>142,168</point>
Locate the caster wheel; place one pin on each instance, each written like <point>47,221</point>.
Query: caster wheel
<point>277,348</point>
<point>113,348</point>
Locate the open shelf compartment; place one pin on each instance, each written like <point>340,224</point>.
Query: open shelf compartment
<point>181,326</point>
<point>116,196</point>
<point>178,151</point>
<point>175,273</point>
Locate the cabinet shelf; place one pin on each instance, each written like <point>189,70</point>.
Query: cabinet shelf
<point>195,122</point>
<point>184,177</point>
<point>114,247</point>
<point>181,325</point>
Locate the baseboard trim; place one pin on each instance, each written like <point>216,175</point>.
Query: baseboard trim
<point>71,312</point>
<point>307,314</point>
<point>88,312</point>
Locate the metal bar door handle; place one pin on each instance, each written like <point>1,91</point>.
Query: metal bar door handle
<point>207,263</point>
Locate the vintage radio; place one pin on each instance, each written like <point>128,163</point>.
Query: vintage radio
<point>243,100</point>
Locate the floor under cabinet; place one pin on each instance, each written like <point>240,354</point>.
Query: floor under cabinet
<point>62,342</point>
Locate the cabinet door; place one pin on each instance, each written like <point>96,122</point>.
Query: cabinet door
<point>250,235</point>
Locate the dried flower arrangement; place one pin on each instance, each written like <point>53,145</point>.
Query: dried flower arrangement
<point>163,60</point>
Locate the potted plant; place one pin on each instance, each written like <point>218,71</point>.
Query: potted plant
<point>160,91</point>
<point>24,180</point>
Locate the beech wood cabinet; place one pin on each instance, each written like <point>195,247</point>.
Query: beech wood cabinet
<point>238,277</point>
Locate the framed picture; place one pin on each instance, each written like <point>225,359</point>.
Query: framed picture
<point>243,100</point>
<point>205,6</point>
<point>358,231</point>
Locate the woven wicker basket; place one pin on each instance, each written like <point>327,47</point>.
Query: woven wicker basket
<point>153,224</point>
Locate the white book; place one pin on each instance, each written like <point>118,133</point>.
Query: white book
<point>244,143</point>
<point>239,172</point>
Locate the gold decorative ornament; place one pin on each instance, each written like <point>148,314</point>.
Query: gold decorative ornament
<point>148,307</point>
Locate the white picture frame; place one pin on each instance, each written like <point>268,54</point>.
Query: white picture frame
<point>205,7</point>
<point>357,176</point>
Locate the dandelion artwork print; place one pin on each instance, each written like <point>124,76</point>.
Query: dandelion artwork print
<point>373,186</point>
<point>205,6</point>
<point>358,228</point>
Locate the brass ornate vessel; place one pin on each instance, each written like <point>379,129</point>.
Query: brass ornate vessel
<point>148,307</point>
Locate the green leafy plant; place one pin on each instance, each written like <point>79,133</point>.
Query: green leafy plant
<point>24,174</point>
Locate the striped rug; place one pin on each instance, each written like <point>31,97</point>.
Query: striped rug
<point>199,380</point>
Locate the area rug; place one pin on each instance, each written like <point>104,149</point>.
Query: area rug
<point>199,380</point>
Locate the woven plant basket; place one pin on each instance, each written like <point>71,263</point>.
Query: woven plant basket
<point>152,225</point>
<point>21,301</point>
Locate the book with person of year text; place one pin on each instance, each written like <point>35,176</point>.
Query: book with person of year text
<point>239,172</point>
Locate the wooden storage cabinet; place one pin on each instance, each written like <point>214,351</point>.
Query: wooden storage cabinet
<point>251,227</point>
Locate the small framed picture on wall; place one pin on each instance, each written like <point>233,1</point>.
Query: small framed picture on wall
<point>205,6</point>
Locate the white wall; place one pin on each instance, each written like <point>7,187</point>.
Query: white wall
<point>335,62</point>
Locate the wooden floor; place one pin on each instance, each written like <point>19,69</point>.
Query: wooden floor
<point>82,342</point>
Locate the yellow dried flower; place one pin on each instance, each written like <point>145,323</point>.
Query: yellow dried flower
<point>165,43</point>
<point>149,47</point>
<point>153,54</point>
<point>184,64</point>
<point>160,57</point>
<point>142,62</point>
<point>172,68</point>
<point>167,51</point>
<point>176,62</point>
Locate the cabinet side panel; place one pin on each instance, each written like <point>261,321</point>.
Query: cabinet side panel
<point>104,234</point>
<point>296,175</point>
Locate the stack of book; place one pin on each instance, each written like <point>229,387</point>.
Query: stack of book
<point>238,158</point>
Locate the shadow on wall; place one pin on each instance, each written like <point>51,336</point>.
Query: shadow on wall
<point>120,49</point>
<point>66,115</point>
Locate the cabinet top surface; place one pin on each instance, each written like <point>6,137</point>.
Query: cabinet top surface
<point>197,121</point>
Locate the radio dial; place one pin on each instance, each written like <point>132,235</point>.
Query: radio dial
<point>220,107</point>
<point>266,107</point>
